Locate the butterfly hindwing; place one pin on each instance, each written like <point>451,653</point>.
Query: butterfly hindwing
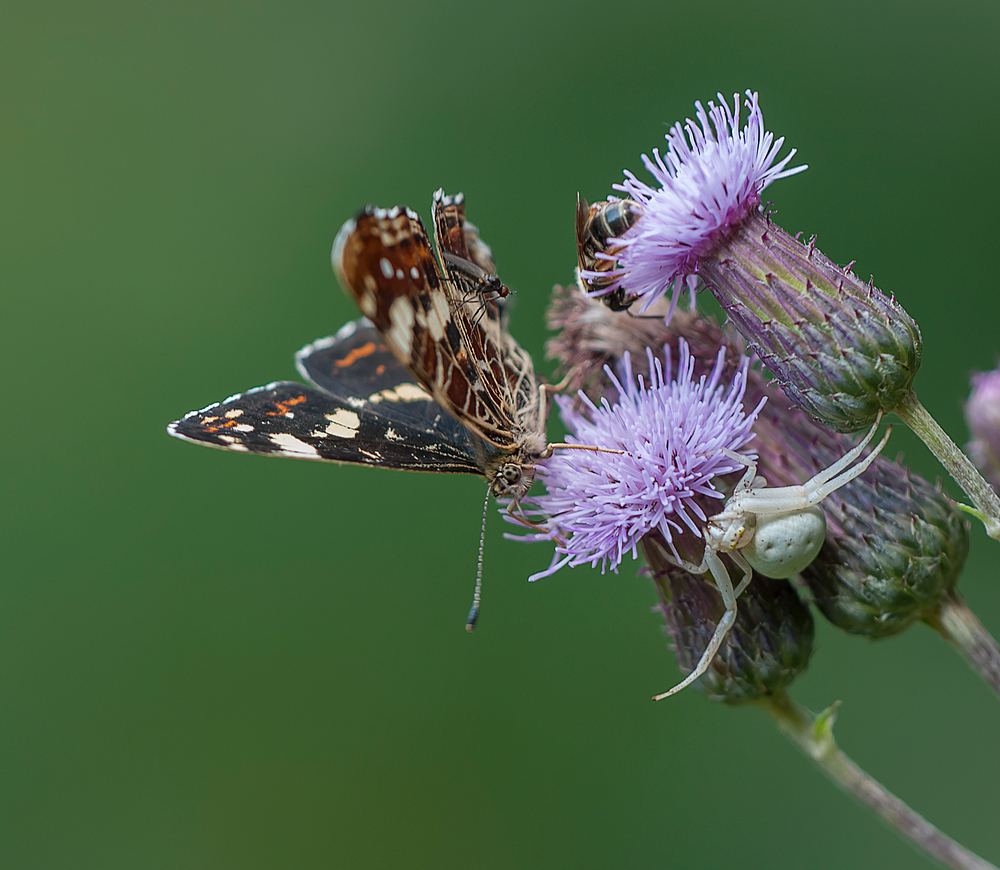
<point>398,425</point>
<point>356,368</point>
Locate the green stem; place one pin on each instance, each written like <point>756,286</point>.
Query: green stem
<point>983,496</point>
<point>814,736</point>
<point>958,625</point>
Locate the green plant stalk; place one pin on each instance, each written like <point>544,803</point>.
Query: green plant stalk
<point>957,464</point>
<point>814,736</point>
<point>958,625</point>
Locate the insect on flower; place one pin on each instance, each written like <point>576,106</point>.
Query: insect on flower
<point>431,381</point>
<point>596,225</point>
<point>675,435</point>
<point>776,531</point>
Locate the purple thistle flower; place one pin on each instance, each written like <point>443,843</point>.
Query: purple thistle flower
<point>598,505</point>
<point>982,414</point>
<point>840,349</point>
<point>710,178</point>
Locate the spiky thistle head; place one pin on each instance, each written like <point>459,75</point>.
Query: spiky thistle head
<point>895,543</point>
<point>840,349</point>
<point>769,645</point>
<point>708,180</point>
<point>669,432</point>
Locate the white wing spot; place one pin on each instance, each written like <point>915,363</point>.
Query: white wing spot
<point>367,303</point>
<point>242,427</point>
<point>414,273</point>
<point>392,435</point>
<point>235,412</point>
<point>402,393</point>
<point>399,274</point>
<point>343,424</point>
<point>233,443</point>
<point>290,444</point>
<point>400,335</point>
<point>386,267</point>
<point>438,316</point>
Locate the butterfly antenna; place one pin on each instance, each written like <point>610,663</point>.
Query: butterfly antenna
<point>470,622</point>
<point>563,446</point>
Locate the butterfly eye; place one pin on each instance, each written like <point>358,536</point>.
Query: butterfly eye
<point>511,473</point>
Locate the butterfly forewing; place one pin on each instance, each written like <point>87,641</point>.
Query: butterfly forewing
<point>432,317</point>
<point>355,367</point>
<point>386,263</point>
<point>289,419</point>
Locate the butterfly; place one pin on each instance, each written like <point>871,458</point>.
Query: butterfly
<point>440,322</point>
<point>429,380</point>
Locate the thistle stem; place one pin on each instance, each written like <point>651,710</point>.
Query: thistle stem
<point>958,625</point>
<point>957,464</point>
<point>814,736</point>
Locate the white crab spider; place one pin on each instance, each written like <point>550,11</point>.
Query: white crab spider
<point>778,531</point>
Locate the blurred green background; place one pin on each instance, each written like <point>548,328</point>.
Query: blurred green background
<point>214,660</point>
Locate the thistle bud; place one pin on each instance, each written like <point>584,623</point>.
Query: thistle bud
<point>894,551</point>
<point>895,544</point>
<point>767,648</point>
<point>840,349</point>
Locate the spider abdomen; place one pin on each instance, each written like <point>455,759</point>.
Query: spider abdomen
<point>785,544</point>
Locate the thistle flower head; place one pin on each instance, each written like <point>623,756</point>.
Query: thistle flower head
<point>598,505</point>
<point>841,350</point>
<point>710,177</point>
<point>982,413</point>
<point>895,543</point>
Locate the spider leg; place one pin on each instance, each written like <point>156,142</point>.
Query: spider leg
<point>746,482</point>
<point>725,586</point>
<point>845,460</point>
<point>690,567</point>
<point>744,566</point>
<point>788,499</point>
<point>825,487</point>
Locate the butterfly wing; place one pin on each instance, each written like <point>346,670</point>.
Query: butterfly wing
<point>429,319</point>
<point>363,410</point>
<point>355,367</point>
<point>455,235</point>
